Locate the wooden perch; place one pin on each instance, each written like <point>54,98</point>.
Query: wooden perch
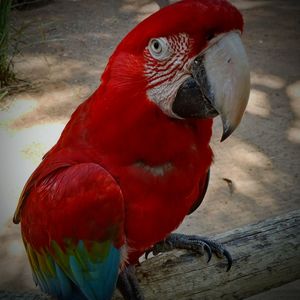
<point>265,255</point>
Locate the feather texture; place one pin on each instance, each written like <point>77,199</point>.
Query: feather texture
<point>74,247</point>
<point>123,174</point>
<point>86,270</point>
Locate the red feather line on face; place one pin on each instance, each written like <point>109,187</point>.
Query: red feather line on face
<point>158,71</point>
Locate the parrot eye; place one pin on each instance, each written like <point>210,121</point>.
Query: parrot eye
<point>159,48</point>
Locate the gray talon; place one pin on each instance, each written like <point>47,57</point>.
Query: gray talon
<point>194,243</point>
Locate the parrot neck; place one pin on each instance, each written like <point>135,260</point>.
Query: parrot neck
<point>126,127</point>
<point>131,125</point>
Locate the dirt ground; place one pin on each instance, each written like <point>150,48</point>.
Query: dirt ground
<point>67,46</point>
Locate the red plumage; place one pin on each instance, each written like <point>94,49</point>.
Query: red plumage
<point>73,196</point>
<point>157,162</point>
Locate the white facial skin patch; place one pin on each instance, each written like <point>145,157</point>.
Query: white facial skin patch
<point>166,69</point>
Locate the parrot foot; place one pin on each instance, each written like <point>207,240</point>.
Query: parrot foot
<point>194,243</point>
<point>128,284</point>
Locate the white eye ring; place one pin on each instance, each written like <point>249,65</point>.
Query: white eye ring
<point>159,48</point>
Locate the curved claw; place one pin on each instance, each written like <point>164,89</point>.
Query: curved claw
<point>229,259</point>
<point>147,252</point>
<point>194,243</point>
<point>222,252</point>
<point>208,251</point>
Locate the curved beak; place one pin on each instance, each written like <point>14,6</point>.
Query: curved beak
<point>227,70</point>
<point>220,84</point>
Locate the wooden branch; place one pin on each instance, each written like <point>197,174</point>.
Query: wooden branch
<point>265,255</point>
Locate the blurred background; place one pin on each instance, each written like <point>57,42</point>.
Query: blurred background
<point>59,50</point>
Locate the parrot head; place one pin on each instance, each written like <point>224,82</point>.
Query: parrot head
<point>190,61</point>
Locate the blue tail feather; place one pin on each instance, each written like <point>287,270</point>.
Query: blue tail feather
<point>78,274</point>
<point>99,278</point>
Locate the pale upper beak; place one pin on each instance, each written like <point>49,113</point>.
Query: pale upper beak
<point>220,84</point>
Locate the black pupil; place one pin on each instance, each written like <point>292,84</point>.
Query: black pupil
<point>156,45</point>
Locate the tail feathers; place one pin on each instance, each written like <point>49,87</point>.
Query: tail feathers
<point>99,279</point>
<point>59,286</point>
<point>77,274</point>
<point>65,285</point>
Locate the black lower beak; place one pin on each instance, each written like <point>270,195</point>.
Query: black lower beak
<point>194,97</point>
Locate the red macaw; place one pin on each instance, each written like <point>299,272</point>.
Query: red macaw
<point>134,158</point>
